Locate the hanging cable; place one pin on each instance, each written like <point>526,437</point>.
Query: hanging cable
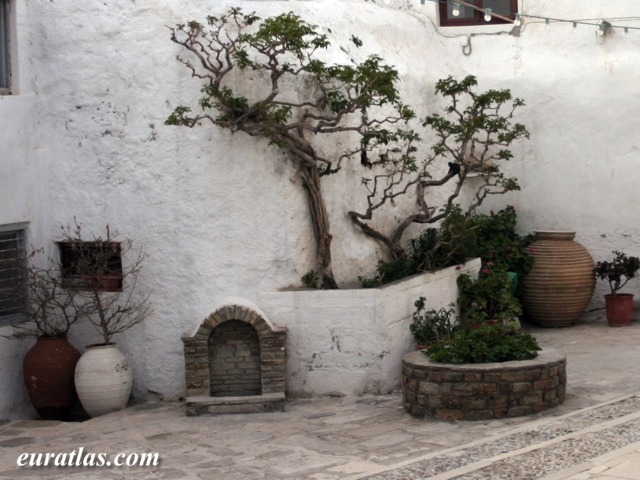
<point>520,17</point>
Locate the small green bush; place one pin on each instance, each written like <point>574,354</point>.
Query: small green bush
<point>431,326</point>
<point>487,298</point>
<point>459,237</point>
<point>495,343</point>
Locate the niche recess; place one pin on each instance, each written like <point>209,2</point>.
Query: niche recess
<point>235,363</point>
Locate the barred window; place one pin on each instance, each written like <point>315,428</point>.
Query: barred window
<point>12,279</point>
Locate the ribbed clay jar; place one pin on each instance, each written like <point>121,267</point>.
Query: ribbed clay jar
<point>559,287</point>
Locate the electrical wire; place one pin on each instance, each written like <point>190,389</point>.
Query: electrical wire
<point>505,16</point>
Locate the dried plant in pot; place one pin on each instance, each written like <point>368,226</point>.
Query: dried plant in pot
<point>617,272</point>
<point>50,310</point>
<point>105,270</point>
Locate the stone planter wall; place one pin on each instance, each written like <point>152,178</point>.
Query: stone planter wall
<point>350,342</point>
<point>482,391</point>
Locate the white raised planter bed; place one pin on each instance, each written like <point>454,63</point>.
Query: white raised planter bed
<point>350,342</point>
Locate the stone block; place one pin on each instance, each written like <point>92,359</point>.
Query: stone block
<point>542,384</point>
<point>426,388</point>
<point>521,387</point>
<point>480,415</point>
<point>518,411</point>
<point>473,377</point>
<point>513,376</point>
<point>532,398</point>
<point>474,403</point>
<point>448,414</point>
<point>484,389</point>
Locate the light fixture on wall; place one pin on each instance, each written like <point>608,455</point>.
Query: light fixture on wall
<point>456,10</point>
<point>487,15</point>
<point>603,28</point>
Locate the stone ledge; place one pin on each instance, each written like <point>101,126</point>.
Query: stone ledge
<point>204,405</point>
<point>485,390</point>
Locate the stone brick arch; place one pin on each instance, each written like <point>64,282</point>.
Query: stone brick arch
<point>272,350</point>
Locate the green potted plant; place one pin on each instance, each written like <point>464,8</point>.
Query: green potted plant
<point>431,326</point>
<point>487,299</point>
<point>50,310</point>
<point>617,272</point>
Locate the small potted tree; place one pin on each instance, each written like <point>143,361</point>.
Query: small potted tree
<point>50,312</point>
<point>104,271</point>
<point>619,306</point>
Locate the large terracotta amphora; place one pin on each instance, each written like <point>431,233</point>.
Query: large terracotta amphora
<point>48,377</point>
<point>559,287</point>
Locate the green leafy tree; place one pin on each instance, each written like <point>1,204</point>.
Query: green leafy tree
<point>472,137</point>
<point>273,56</point>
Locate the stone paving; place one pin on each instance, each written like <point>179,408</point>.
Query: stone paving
<point>594,434</point>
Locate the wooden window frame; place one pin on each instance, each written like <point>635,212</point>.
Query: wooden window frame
<point>80,271</point>
<point>478,19</point>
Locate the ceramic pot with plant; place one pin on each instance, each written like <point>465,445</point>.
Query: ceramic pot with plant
<point>617,272</point>
<point>103,375</point>
<point>50,312</point>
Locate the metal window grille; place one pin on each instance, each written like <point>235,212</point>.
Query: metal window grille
<point>12,280</point>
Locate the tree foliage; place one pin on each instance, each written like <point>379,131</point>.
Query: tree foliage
<point>271,55</point>
<point>472,139</point>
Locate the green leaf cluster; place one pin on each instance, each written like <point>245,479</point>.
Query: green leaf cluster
<point>490,343</point>
<point>487,298</point>
<point>497,243</point>
<point>432,326</point>
<point>618,271</point>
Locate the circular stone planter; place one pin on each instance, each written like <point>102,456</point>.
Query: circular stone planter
<point>483,390</point>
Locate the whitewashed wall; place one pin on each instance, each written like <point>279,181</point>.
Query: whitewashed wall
<point>224,215</point>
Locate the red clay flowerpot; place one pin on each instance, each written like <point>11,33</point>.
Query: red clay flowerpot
<point>48,376</point>
<point>619,309</point>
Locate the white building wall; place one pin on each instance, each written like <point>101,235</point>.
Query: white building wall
<point>224,215</point>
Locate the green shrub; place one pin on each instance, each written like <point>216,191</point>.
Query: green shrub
<point>498,244</point>
<point>430,326</point>
<point>459,237</point>
<point>495,343</point>
<point>487,298</point>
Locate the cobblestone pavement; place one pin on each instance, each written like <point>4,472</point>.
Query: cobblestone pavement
<point>594,434</point>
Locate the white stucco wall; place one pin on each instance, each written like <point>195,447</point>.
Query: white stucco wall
<point>349,342</point>
<point>224,215</point>
<point>23,192</point>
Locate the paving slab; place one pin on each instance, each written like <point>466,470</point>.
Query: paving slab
<point>594,434</point>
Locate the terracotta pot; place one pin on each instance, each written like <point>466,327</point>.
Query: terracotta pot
<point>560,285</point>
<point>619,309</point>
<point>48,376</point>
<point>103,379</point>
